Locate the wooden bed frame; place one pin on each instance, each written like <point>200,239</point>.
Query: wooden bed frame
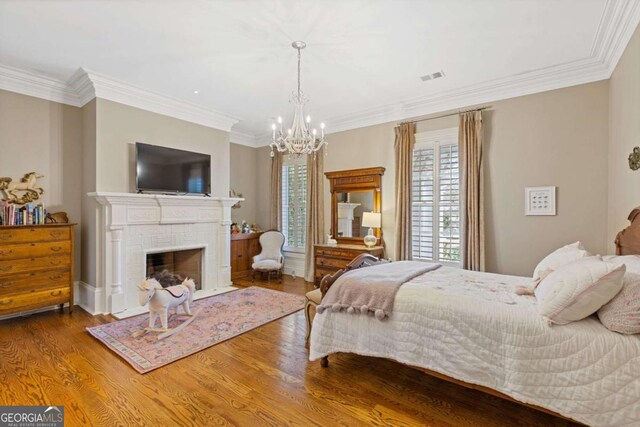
<point>627,243</point>
<point>366,260</point>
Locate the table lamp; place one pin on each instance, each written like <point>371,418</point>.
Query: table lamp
<point>371,220</point>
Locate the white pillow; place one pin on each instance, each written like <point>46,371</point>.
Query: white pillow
<point>631,261</point>
<point>556,259</point>
<point>579,289</point>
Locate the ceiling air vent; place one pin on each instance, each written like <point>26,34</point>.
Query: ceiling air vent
<point>433,76</point>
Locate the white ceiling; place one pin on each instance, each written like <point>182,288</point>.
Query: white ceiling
<point>363,61</point>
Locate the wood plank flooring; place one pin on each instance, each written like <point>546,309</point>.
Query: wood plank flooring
<point>262,377</point>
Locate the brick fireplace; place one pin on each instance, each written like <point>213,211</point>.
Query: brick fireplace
<point>134,228</point>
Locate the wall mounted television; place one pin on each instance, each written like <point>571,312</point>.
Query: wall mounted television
<point>169,170</point>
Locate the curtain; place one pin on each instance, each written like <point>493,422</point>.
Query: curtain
<point>315,210</point>
<point>276,192</point>
<point>470,136</point>
<point>405,140</point>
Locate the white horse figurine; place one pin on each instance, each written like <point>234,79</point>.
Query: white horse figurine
<point>161,300</point>
<point>27,184</point>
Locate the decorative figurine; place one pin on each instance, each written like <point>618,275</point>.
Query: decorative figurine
<point>27,185</point>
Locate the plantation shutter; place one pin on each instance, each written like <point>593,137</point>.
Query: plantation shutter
<point>294,202</point>
<point>435,209</point>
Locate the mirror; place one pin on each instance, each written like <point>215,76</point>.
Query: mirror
<point>354,192</point>
<point>350,208</point>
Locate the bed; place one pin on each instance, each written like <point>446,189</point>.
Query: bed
<point>471,328</point>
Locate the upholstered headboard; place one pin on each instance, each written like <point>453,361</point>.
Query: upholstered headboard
<point>628,240</point>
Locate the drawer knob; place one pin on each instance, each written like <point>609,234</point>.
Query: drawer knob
<point>8,268</point>
<point>55,233</point>
<point>56,293</point>
<point>55,276</point>
<point>55,262</point>
<point>9,252</point>
<point>56,248</point>
<point>6,236</point>
<point>6,301</point>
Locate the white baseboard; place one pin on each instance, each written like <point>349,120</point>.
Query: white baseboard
<point>89,297</point>
<point>294,264</point>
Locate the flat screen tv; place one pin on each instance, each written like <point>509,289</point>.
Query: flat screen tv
<point>168,170</point>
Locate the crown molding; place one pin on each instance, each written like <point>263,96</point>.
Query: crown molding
<point>619,20</point>
<point>85,85</point>
<point>37,85</point>
<point>243,138</point>
<point>106,87</point>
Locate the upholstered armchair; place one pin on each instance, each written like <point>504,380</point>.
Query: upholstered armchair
<point>270,260</point>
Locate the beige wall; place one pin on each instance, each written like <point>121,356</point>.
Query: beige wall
<point>552,138</point>
<point>263,170</point>
<point>120,126</point>
<point>46,137</point>
<point>624,134</point>
<point>244,180</point>
<point>90,218</point>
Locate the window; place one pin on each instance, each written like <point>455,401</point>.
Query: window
<point>294,202</point>
<point>435,204</point>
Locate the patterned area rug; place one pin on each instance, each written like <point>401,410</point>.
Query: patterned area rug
<point>220,317</point>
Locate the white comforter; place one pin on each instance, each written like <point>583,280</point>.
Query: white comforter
<point>471,326</point>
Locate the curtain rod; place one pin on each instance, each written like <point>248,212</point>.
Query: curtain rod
<point>446,115</point>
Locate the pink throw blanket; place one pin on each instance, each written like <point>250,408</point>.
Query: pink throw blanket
<point>372,290</point>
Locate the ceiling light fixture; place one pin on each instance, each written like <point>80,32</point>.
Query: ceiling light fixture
<point>196,92</point>
<point>299,138</point>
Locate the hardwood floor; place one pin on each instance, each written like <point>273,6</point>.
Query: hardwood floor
<point>262,377</point>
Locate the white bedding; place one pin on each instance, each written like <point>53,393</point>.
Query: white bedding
<point>472,327</point>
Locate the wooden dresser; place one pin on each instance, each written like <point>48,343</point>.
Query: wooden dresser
<point>331,258</point>
<point>244,246</point>
<point>36,267</point>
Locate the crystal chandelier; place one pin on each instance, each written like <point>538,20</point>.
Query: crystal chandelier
<point>299,138</point>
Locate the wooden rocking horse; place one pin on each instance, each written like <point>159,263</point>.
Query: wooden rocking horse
<point>161,300</point>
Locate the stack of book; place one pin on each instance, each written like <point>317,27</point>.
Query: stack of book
<point>26,215</point>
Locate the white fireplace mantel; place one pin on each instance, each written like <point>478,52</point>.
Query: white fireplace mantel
<point>132,225</point>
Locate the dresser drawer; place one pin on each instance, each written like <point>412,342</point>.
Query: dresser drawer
<point>34,234</point>
<point>29,250</point>
<point>336,253</point>
<point>27,282</point>
<point>336,263</point>
<point>36,299</point>
<point>33,264</point>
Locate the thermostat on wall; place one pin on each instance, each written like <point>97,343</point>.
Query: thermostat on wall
<point>540,200</point>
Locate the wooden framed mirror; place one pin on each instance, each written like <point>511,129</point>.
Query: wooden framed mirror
<point>354,192</point>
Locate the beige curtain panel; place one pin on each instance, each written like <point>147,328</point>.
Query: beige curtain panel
<point>276,192</point>
<point>470,135</point>
<point>315,210</point>
<point>405,140</point>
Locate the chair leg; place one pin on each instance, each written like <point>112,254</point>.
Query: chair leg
<point>307,316</point>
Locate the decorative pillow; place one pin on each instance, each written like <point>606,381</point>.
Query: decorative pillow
<point>622,313</point>
<point>579,289</point>
<point>556,259</point>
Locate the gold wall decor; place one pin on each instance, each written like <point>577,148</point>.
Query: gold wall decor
<point>26,186</point>
<point>634,159</point>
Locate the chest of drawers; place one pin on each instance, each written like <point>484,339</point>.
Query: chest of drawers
<point>331,258</point>
<point>36,267</point>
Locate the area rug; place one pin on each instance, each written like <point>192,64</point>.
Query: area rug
<point>219,318</point>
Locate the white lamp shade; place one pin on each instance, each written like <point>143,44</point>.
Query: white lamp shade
<point>371,219</point>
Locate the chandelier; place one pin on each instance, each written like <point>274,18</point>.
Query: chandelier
<point>299,138</point>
